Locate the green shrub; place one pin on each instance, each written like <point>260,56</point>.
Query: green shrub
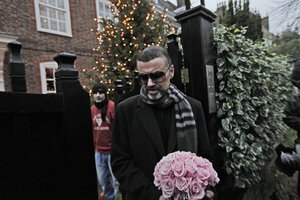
<point>252,88</point>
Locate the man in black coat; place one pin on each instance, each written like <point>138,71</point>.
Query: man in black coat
<point>292,108</point>
<point>289,161</point>
<point>148,126</point>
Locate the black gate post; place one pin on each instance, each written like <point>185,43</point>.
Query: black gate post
<point>80,176</point>
<point>176,58</point>
<point>16,68</point>
<point>198,51</point>
<point>199,57</point>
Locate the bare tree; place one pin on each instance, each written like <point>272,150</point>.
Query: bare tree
<point>290,9</point>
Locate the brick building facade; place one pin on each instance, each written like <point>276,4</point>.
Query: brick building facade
<point>18,22</point>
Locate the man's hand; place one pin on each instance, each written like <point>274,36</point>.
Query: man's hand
<point>209,194</point>
<point>161,198</point>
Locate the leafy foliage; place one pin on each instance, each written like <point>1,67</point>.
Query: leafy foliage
<point>135,26</point>
<point>240,15</point>
<point>251,93</point>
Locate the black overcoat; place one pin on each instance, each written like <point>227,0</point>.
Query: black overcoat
<point>137,146</point>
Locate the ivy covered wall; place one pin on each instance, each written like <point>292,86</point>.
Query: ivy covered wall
<point>253,85</point>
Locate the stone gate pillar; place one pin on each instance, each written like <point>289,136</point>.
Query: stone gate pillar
<point>16,68</point>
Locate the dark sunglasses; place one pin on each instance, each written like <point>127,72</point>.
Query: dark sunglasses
<point>156,77</point>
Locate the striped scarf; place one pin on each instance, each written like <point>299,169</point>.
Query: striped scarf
<point>184,116</point>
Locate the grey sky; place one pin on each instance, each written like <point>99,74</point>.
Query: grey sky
<point>264,7</point>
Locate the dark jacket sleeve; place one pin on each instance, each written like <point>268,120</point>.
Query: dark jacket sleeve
<point>131,178</point>
<point>292,112</point>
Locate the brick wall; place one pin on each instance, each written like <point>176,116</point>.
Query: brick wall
<point>17,17</point>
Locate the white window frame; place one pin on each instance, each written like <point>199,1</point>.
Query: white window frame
<point>65,10</point>
<point>4,40</point>
<point>104,15</point>
<point>107,3</point>
<point>44,79</point>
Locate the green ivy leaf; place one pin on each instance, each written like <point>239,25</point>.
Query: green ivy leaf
<point>222,47</point>
<point>228,149</point>
<point>250,136</point>
<point>233,61</point>
<point>240,182</point>
<point>226,124</point>
<point>256,148</point>
<point>220,62</point>
<point>227,106</point>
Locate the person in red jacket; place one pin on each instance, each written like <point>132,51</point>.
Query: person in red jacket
<point>103,112</point>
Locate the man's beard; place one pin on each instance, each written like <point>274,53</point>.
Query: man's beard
<point>154,97</point>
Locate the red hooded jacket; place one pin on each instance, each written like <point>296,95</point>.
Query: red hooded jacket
<point>102,130</point>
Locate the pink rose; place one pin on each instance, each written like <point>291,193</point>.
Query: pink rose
<point>178,168</point>
<point>157,167</point>
<point>198,160</point>
<point>182,183</point>
<point>157,179</point>
<point>166,168</point>
<point>196,191</point>
<point>170,156</point>
<point>203,176</point>
<point>190,166</point>
<point>167,187</point>
<point>183,155</point>
<point>213,179</point>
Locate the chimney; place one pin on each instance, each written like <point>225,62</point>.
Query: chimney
<point>265,22</point>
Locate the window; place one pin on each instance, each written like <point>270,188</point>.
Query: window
<point>47,70</point>
<point>53,16</point>
<point>103,9</point>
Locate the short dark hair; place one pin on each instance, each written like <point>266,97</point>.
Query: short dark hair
<point>153,52</point>
<point>99,87</point>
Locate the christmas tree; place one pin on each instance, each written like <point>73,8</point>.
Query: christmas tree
<point>136,25</point>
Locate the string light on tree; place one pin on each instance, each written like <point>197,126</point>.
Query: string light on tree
<point>134,26</point>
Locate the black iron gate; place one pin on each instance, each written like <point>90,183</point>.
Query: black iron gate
<point>46,148</point>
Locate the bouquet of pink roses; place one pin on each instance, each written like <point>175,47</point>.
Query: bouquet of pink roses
<point>184,175</point>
